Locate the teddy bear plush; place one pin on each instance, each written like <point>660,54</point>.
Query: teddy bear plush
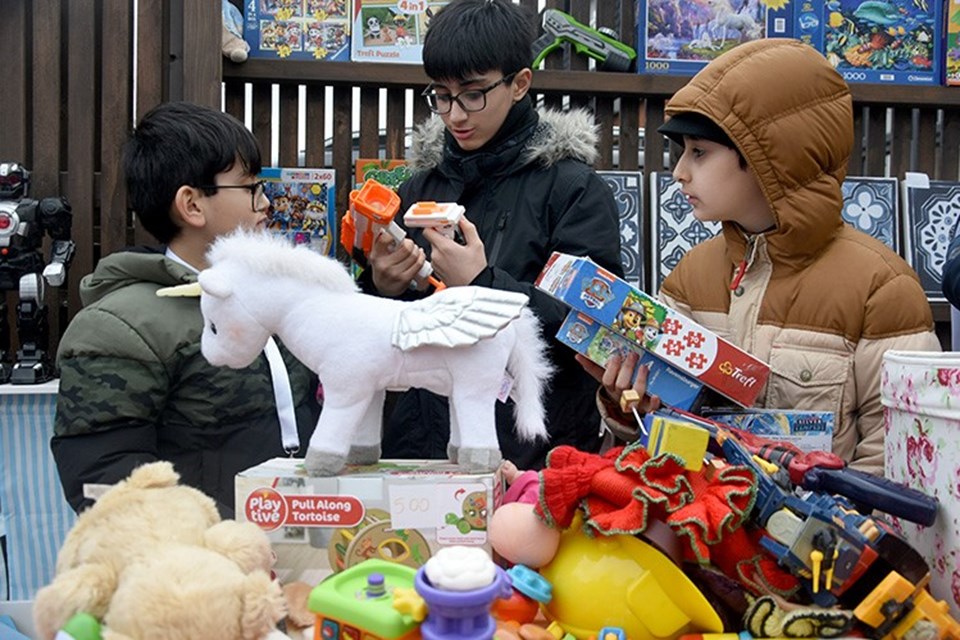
<point>152,558</point>
<point>232,43</point>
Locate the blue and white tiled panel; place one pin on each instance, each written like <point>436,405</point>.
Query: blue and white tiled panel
<point>675,229</point>
<point>627,189</point>
<point>930,219</point>
<point>871,205</point>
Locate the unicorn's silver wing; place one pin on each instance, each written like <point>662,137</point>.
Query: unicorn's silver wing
<point>456,317</point>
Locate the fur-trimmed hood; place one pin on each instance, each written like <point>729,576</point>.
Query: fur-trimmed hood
<point>559,135</point>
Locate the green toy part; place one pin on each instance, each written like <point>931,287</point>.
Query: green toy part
<point>82,626</point>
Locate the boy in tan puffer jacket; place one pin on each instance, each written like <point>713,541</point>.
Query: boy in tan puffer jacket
<point>767,130</point>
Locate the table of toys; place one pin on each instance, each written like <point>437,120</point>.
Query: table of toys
<point>733,525</point>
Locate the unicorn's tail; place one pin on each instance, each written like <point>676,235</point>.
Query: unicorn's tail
<point>531,370</point>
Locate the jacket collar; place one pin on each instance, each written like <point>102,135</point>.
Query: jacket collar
<point>555,136</point>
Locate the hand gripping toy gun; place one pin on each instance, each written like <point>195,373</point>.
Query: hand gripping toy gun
<point>600,44</point>
<point>373,208</point>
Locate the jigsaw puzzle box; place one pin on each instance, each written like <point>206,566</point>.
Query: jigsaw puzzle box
<point>877,41</point>
<point>680,342</point>
<point>681,36</point>
<point>391,30</point>
<point>397,510</point>
<point>588,337</point>
<point>298,29</point>
<point>952,48</point>
<point>808,430</point>
<point>302,206</point>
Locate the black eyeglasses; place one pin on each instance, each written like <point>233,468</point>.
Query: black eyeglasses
<point>470,100</point>
<point>256,190</point>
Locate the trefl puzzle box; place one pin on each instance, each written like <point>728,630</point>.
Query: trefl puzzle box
<point>588,337</point>
<point>672,337</point>
<point>298,29</point>
<point>877,41</point>
<point>397,510</point>
<point>391,30</point>
<point>682,36</point>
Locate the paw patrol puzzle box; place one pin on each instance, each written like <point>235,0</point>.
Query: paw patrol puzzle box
<point>878,41</point>
<point>680,342</point>
<point>588,337</point>
<point>681,36</point>
<point>298,29</point>
<point>397,510</point>
<point>391,30</point>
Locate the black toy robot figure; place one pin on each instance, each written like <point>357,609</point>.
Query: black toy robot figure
<point>23,222</point>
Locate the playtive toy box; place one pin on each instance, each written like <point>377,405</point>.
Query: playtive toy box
<point>397,510</point>
<point>682,36</point>
<point>675,339</point>
<point>298,29</point>
<point>391,30</point>
<point>808,430</point>
<point>302,206</point>
<point>598,343</point>
<point>882,42</point>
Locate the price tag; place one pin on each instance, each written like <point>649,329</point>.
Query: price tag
<point>414,506</point>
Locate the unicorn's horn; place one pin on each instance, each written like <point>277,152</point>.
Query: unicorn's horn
<point>190,290</point>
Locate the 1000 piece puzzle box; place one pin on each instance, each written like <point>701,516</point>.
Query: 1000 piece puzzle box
<point>682,36</point>
<point>877,40</point>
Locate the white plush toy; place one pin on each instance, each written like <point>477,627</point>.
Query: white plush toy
<point>458,342</point>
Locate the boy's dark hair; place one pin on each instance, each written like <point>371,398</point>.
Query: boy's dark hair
<point>177,144</point>
<point>476,36</point>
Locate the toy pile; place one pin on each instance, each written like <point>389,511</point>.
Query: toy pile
<point>751,542</point>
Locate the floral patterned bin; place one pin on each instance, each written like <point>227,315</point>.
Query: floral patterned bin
<point>921,398</point>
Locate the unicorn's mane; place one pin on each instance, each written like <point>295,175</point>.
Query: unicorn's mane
<point>271,255</point>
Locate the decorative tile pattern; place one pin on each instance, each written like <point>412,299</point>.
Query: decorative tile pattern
<point>627,189</point>
<point>930,221</point>
<point>675,229</point>
<point>870,205</point>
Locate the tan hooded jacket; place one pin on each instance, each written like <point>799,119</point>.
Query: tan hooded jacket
<point>819,301</point>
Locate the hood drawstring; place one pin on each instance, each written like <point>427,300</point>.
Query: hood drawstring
<point>748,257</point>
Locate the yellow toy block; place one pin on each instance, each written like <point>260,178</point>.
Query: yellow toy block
<point>684,439</point>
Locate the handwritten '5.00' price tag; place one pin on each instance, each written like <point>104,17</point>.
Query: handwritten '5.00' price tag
<point>414,506</point>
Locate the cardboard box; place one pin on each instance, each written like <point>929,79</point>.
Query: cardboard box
<point>390,172</point>
<point>397,510</point>
<point>880,42</point>
<point>808,430</point>
<point>588,337</point>
<point>683,36</point>
<point>391,30</point>
<point>303,206</point>
<point>952,46</point>
<point>672,337</point>
<point>298,29</point>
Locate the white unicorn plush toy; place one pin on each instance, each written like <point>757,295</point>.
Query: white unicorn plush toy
<point>459,342</point>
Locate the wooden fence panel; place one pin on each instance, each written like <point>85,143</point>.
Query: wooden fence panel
<point>177,57</point>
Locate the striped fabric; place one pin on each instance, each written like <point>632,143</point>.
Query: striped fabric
<point>32,506</point>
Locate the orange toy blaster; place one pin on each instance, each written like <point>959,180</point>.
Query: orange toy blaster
<point>372,210</point>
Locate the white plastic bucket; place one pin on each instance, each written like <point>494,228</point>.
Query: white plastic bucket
<point>920,392</point>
